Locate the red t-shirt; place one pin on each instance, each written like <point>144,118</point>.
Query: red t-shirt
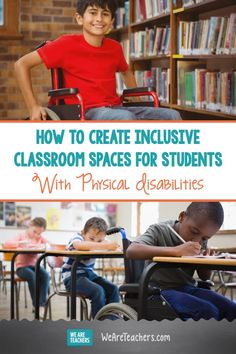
<point>88,68</point>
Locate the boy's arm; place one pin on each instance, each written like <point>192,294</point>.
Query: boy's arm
<point>129,79</point>
<point>90,246</point>
<point>23,67</point>
<point>142,251</point>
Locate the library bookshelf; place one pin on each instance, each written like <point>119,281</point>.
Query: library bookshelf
<point>186,49</point>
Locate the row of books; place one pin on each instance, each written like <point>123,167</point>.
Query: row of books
<point>152,41</point>
<point>216,35</point>
<point>211,90</point>
<point>122,16</point>
<point>156,77</point>
<point>146,9</point>
<point>186,3</point>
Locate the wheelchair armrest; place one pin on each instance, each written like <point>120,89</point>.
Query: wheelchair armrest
<point>130,288</point>
<point>138,90</point>
<point>133,288</point>
<point>205,284</point>
<point>60,93</point>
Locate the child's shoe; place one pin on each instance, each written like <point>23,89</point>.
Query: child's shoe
<point>41,312</point>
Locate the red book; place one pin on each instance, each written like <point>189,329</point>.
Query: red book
<point>143,12</point>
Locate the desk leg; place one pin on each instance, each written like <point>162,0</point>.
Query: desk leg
<point>143,289</point>
<point>13,285</point>
<point>73,290</point>
<point>37,284</point>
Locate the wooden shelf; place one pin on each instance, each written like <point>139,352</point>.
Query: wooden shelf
<point>120,30</point>
<point>150,21</point>
<point>206,57</point>
<point>203,111</point>
<point>149,58</point>
<point>206,6</point>
<point>165,104</point>
<point>174,61</point>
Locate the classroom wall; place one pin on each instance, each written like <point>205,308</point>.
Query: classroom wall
<point>38,21</point>
<point>171,210</point>
<point>126,217</point>
<point>69,223</point>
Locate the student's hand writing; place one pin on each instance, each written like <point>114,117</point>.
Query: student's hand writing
<point>189,248</point>
<point>38,113</point>
<point>209,252</point>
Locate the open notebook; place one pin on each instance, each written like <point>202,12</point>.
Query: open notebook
<point>221,255</point>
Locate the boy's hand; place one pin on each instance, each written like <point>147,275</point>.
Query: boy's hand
<point>209,252</point>
<point>112,246</point>
<point>38,113</point>
<point>189,248</point>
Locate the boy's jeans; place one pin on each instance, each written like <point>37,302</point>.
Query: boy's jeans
<point>131,113</point>
<point>99,290</point>
<point>192,302</point>
<point>28,273</point>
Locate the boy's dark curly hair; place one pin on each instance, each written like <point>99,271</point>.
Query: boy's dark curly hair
<point>213,211</point>
<point>104,4</point>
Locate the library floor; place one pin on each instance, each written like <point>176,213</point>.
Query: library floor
<point>58,305</point>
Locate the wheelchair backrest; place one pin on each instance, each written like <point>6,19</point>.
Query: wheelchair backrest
<point>56,73</point>
<point>133,267</point>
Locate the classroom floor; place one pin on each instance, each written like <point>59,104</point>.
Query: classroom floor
<point>58,305</point>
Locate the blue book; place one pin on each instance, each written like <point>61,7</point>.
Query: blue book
<point>126,13</point>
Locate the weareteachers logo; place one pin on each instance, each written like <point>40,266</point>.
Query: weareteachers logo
<point>79,337</point>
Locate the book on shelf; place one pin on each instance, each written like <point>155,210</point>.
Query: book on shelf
<point>151,42</point>
<point>122,16</point>
<point>146,9</point>
<point>216,35</point>
<point>206,89</point>
<point>157,77</point>
<point>126,5</point>
<point>186,3</point>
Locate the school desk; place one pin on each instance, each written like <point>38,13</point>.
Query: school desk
<point>180,262</point>
<point>16,252</point>
<point>77,256</point>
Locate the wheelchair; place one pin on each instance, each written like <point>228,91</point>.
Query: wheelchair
<point>58,110</point>
<point>155,307</point>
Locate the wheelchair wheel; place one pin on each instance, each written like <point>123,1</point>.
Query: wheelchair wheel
<point>118,311</point>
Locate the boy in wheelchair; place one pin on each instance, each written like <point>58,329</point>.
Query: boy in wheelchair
<point>89,62</point>
<point>185,237</point>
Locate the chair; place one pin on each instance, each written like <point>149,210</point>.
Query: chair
<point>225,279</point>
<point>6,277</point>
<point>157,307</point>
<point>129,293</point>
<point>226,284</point>
<point>58,108</point>
<point>55,264</point>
